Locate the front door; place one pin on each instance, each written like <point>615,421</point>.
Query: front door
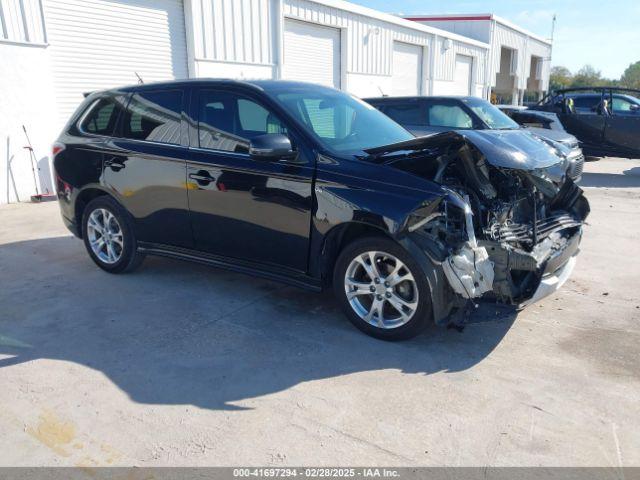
<point>623,127</point>
<point>145,167</point>
<point>242,208</point>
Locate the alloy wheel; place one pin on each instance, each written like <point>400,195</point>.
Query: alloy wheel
<point>105,236</point>
<point>381,289</point>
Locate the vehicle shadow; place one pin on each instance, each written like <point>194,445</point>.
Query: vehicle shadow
<point>179,333</point>
<point>629,179</point>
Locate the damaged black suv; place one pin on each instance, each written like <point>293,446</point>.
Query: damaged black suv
<point>311,186</point>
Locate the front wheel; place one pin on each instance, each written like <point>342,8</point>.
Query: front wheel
<point>381,289</point>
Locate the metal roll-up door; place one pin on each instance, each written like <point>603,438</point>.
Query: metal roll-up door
<point>311,53</point>
<point>98,44</point>
<point>407,69</point>
<point>462,78</point>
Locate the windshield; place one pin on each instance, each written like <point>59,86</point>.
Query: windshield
<point>490,115</point>
<point>340,122</point>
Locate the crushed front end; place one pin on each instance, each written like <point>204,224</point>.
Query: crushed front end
<point>507,230</point>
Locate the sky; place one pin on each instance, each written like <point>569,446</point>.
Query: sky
<point>602,33</point>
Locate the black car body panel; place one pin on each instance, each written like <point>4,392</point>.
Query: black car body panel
<point>606,120</point>
<point>195,191</point>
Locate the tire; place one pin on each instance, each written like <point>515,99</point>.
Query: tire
<point>412,294</point>
<point>122,255</point>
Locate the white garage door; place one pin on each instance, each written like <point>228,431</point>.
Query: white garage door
<point>462,79</point>
<point>407,69</point>
<point>311,53</point>
<point>99,44</point>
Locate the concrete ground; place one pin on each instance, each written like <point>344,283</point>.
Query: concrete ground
<point>180,364</point>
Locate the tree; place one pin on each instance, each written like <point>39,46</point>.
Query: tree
<point>560,78</point>
<point>631,76</point>
<point>588,76</point>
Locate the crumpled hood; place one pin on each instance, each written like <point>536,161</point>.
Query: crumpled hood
<point>513,148</point>
<point>517,149</point>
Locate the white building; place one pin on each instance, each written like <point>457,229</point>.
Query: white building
<point>519,60</point>
<point>52,51</point>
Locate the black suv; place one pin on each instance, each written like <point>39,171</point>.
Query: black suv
<point>311,186</point>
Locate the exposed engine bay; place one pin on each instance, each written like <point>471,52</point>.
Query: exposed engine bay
<point>505,223</point>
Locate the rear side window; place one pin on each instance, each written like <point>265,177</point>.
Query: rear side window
<point>587,103</point>
<point>103,115</point>
<point>154,116</point>
<point>404,114</point>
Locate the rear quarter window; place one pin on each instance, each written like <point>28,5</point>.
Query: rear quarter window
<point>102,116</point>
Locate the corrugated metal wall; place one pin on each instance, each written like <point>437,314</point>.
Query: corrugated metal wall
<point>22,21</point>
<point>98,44</point>
<point>233,30</point>
<point>242,31</point>
<point>445,65</point>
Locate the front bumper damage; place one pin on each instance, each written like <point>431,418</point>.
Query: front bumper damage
<point>508,225</point>
<point>497,271</point>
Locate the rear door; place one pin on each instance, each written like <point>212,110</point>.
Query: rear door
<point>253,210</point>
<point>145,166</point>
<point>586,122</point>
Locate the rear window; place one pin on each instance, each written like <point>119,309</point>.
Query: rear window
<point>103,115</point>
<point>154,116</point>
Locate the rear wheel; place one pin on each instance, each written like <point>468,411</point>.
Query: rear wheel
<point>108,236</point>
<point>381,289</point>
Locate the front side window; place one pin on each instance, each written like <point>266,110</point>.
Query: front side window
<point>340,122</point>
<point>228,122</point>
<point>621,105</point>
<point>154,116</point>
<point>451,116</point>
<point>103,115</point>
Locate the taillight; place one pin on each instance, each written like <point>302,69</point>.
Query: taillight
<point>56,149</point>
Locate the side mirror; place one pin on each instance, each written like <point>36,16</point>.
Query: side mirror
<point>271,146</point>
<point>634,107</point>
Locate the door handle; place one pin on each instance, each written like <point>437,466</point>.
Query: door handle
<point>114,164</point>
<point>202,177</point>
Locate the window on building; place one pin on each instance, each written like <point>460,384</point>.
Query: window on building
<point>154,116</point>
<point>228,122</point>
<point>103,115</point>
<point>22,21</point>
